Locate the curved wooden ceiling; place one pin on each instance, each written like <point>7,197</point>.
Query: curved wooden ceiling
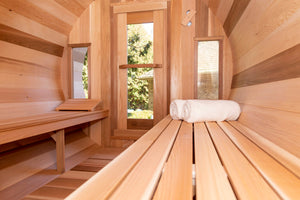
<point>58,15</point>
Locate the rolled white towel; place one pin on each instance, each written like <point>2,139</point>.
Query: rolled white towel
<point>210,110</point>
<point>176,109</point>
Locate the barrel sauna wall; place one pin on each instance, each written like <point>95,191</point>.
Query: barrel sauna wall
<point>264,37</point>
<point>33,37</point>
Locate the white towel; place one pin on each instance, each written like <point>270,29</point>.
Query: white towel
<point>210,110</point>
<point>176,109</point>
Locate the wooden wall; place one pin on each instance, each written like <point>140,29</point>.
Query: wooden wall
<point>264,37</point>
<point>93,26</point>
<point>33,36</point>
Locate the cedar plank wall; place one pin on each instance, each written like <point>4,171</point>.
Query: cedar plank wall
<point>93,26</point>
<point>31,54</point>
<point>264,36</point>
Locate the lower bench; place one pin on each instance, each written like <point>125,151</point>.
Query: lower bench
<point>56,121</point>
<point>159,165</point>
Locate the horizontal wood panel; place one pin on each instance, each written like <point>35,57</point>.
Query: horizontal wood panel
<point>275,43</point>
<point>25,8</point>
<point>280,127</point>
<point>237,9</point>
<point>26,109</point>
<point>12,95</point>
<point>285,65</point>
<point>140,17</point>
<point>73,6</point>
<point>23,39</point>
<point>138,6</point>
<point>141,124</point>
<point>25,24</point>
<point>281,95</point>
<point>259,21</point>
<point>19,53</point>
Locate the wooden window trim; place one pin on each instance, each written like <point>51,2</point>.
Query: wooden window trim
<point>221,74</point>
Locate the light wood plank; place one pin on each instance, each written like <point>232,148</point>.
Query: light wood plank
<point>282,127</point>
<point>73,6</point>
<point>138,6</point>
<point>259,21</point>
<point>284,182</point>
<point>148,170</point>
<point>176,179</point>
<point>223,10</point>
<point>122,73</point>
<point>285,95</point>
<point>211,178</point>
<point>25,24</point>
<point>246,181</point>
<point>60,150</point>
<point>80,104</point>
<point>111,176</point>
<point>286,158</point>
<point>271,45</point>
<point>26,8</point>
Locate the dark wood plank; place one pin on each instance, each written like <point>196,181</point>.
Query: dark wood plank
<point>285,65</point>
<point>17,37</point>
<point>29,10</point>
<point>51,193</point>
<point>236,11</point>
<point>140,124</point>
<point>140,66</point>
<point>91,165</point>
<point>71,5</point>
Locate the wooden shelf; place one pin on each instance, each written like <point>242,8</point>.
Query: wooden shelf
<point>140,66</point>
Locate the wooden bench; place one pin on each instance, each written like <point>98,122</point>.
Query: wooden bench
<point>55,121</point>
<point>228,165</point>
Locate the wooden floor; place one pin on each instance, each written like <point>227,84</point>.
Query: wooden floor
<point>48,184</point>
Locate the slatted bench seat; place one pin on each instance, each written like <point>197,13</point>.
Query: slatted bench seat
<point>55,121</point>
<point>228,165</point>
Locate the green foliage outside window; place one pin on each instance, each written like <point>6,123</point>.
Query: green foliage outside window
<point>85,78</point>
<point>140,51</point>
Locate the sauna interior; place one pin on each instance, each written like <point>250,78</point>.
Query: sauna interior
<point>62,139</point>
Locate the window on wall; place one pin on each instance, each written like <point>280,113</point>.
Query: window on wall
<point>140,80</point>
<point>208,69</point>
<point>80,73</point>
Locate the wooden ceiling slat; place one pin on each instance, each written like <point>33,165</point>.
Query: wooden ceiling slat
<point>85,3</point>
<point>15,36</point>
<point>31,11</point>
<point>73,6</point>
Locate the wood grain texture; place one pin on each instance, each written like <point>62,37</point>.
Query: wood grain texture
<point>282,126</point>
<point>148,170</point>
<point>285,65</point>
<point>211,178</point>
<point>80,104</point>
<point>287,159</point>
<point>60,150</point>
<point>140,124</point>
<point>73,6</point>
<point>237,9</point>
<point>25,8</point>
<point>245,180</point>
<point>201,19</point>
<point>25,24</point>
<point>176,180</point>
<point>140,17</point>
<point>223,10</point>
<point>140,66</point>
<point>280,178</point>
<point>285,95</point>
<point>138,6</point>
<point>112,175</point>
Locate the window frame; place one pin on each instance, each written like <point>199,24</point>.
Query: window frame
<point>221,74</point>
<point>71,78</point>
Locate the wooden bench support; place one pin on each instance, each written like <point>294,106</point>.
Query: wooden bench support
<point>60,150</point>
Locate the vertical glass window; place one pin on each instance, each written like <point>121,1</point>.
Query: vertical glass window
<point>140,80</point>
<point>80,72</point>
<point>208,70</point>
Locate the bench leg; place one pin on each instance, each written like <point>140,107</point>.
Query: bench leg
<point>60,150</point>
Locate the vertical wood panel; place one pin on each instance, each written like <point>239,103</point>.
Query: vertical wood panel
<point>160,74</point>
<point>122,73</point>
